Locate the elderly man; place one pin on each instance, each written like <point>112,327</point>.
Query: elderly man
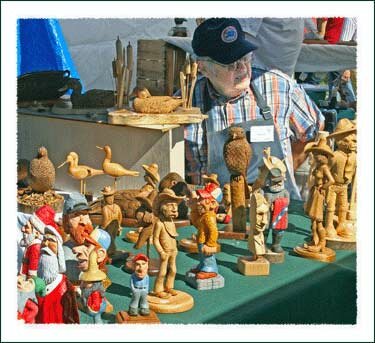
<point>269,105</point>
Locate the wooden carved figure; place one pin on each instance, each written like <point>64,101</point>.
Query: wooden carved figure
<point>27,304</point>
<point>111,220</point>
<point>204,205</point>
<point>59,305</point>
<point>151,177</point>
<point>144,102</point>
<point>79,171</point>
<point>237,154</point>
<point>343,168</point>
<point>139,284</point>
<point>165,209</point>
<point>115,170</point>
<point>315,204</point>
<point>165,298</point>
<point>42,172</point>
<point>92,289</point>
<point>278,198</point>
<point>221,216</point>
<point>256,264</point>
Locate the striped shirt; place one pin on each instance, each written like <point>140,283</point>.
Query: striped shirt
<point>295,116</point>
<point>349,30</point>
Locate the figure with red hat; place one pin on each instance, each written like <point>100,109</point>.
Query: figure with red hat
<point>207,204</point>
<point>139,284</point>
<point>59,305</point>
<point>33,232</point>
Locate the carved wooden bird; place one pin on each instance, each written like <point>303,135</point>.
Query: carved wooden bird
<point>237,154</point>
<point>146,103</point>
<point>114,169</point>
<point>80,172</point>
<point>42,172</point>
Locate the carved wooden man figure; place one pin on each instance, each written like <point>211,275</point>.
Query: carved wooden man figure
<point>343,167</point>
<point>165,208</point>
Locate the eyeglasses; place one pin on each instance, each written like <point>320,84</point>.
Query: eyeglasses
<point>235,65</point>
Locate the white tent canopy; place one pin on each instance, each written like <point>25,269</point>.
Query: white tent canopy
<point>92,46</point>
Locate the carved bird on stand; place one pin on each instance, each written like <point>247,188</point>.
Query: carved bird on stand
<point>42,172</point>
<point>237,154</point>
<point>146,103</point>
<point>80,172</point>
<point>93,98</point>
<point>114,169</point>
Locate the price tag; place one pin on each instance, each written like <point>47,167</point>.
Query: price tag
<point>262,133</point>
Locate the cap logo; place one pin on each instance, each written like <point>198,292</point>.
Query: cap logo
<point>229,34</point>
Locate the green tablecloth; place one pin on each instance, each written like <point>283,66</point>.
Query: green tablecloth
<point>298,291</point>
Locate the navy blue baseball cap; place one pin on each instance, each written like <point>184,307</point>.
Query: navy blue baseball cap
<point>221,39</point>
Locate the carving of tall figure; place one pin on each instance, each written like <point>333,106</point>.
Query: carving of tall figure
<point>165,208</point>
<point>343,168</point>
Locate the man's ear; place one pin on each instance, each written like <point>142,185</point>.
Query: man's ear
<point>202,67</point>
<point>102,253</point>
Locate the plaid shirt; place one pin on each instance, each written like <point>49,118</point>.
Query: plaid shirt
<point>295,116</point>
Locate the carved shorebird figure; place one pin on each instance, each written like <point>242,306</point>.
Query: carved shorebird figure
<point>80,172</point>
<point>115,170</point>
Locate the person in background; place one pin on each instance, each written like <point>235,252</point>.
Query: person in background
<point>269,105</point>
<point>279,41</point>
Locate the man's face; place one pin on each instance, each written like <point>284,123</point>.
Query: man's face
<point>110,199</point>
<point>140,268</point>
<point>80,226</point>
<point>348,143</point>
<point>169,210</point>
<point>25,285</point>
<point>29,234</point>
<point>229,80</point>
<point>50,242</point>
<point>262,217</point>
<point>83,252</point>
<point>345,77</point>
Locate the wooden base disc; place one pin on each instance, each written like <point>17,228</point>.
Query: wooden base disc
<point>339,243</point>
<point>153,266</point>
<point>274,257</point>
<point>328,255</point>
<point>247,267</point>
<point>131,236</point>
<point>181,302</point>
<point>228,233</point>
<point>123,317</point>
<point>190,245</point>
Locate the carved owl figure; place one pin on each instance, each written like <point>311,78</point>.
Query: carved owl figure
<point>237,152</point>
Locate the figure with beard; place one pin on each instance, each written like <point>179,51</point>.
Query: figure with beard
<point>205,209</point>
<point>271,179</point>
<point>27,304</point>
<point>59,305</point>
<point>77,224</point>
<point>33,231</point>
<point>92,290</point>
